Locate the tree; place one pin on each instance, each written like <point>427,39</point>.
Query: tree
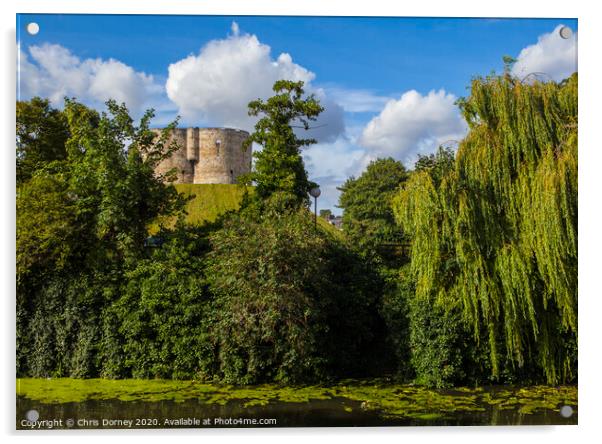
<point>325,214</point>
<point>496,237</point>
<point>368,219</point>
<point>279,165</point>
<point>46,225</point>
<point>42,132</point>
<point>81,226</point>
<point>292,304</point>
<point>438,164</point>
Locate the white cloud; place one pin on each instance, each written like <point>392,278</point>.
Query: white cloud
<point>358,100</point>
<point>52,71</point>
<point>217,84</point>
<point>338,159</point>
<point>330,164</point>
<point>235,29</point>
<point>413,124</point>
<point>552,55</point>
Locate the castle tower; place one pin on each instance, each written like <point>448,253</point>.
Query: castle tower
<point>208,155</point>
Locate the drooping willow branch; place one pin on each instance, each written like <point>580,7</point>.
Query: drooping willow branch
<point>498,234</point>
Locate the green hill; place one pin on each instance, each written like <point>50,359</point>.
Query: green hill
<point>208,202</point>
<point>213,200</point>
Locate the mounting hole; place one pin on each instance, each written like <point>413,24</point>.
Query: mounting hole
<point>565,32</point>
<point>566,411</point>
<point>32,415</point>
<point>33,28</point>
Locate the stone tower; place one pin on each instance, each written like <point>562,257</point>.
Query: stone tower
<point>208,155</point>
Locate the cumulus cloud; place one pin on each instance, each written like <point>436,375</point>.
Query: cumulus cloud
<point>337,159</point>
<point>551,55</point>
<point>52,71</point>
<point>413,124</point>
<point>358,100</point>
<point>330,164</point>
<point>217,84</point>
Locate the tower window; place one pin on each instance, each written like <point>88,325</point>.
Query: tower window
<point>218,143</point>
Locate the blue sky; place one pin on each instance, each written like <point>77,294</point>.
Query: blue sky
<point>388,83</point>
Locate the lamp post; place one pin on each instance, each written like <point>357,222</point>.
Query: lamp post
<point>315,193</point>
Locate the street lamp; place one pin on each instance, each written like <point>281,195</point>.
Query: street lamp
<point>315,193</point>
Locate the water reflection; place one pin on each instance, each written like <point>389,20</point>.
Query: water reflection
<point>336,412</point>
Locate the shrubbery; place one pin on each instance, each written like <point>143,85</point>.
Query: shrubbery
<point>291,304</point>
<point>473,282</point>
<point>161,311</point>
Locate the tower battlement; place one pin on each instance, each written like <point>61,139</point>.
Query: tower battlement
<point>208,155</point>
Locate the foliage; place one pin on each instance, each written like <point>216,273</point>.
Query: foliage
<point>279,165</point>
<point>498,234</point>
<point>111,169</point>
<point>438,164</point>
<point>444,353</point>
<point>41,135</point>
<point>100,300</point>
<point>82,226</point>
<point>325,214</point>
<point>250,290</point>
<point>161,311</point>
<point>368,220</point>
<point>46,224</point>
<point>291,304</point>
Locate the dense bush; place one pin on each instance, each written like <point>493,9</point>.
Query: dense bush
<point>160,312</point>
<point>429,344</point>
<point>82,221</point>
<point>291,303</point>
<point>61,333</point>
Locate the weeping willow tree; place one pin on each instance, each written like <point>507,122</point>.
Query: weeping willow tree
<point>497,235</point>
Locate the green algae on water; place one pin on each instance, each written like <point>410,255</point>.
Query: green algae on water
<point>378,396</point>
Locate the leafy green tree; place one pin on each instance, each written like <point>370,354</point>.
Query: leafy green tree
<point>497,236</point>
<point>111,171</point>
<point>102,196</point>
<point>368,220</point>
<point>438,164</point>
<point>47,230</point>
<point>279,165</point>
<point>42,132</point>
<point>81,227</point>
<point>325,214</point>
<point>291,303</point>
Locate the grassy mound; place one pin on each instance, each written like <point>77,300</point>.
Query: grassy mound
<point>209,201</point>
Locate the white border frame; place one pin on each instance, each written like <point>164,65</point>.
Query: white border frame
<point>589,231</point>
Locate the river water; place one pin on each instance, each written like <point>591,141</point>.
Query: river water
<point>194,413</point>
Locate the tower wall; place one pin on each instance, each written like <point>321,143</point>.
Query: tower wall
<point>221,156</point>
<point>179,158</point>
<point>207,155</point>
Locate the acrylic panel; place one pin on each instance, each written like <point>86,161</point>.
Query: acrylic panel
<point>290,221</point>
